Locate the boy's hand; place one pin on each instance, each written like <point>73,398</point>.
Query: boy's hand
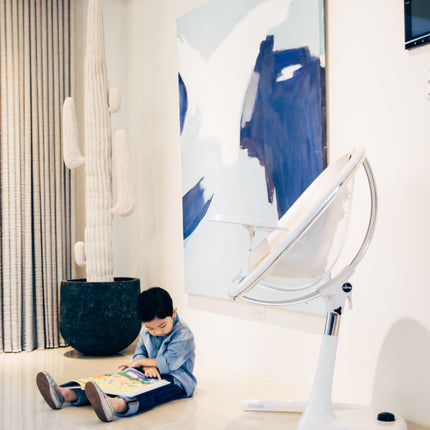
<point>126,365</point>
<point>151,372</point>
<point>140,362</point>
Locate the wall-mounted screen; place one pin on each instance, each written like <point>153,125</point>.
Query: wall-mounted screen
<point>417,23</point>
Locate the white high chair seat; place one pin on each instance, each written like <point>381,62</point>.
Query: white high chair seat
<point>301,252</point>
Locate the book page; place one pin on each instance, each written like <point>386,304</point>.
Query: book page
<point>129,382</point>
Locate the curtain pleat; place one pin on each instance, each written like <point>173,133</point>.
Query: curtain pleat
<point>2,127</point>
<point>35,188</point>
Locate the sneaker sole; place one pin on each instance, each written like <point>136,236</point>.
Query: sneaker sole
<point>96,402</point>
<point>44,388</point>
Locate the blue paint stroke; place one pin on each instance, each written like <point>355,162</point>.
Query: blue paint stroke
<point>183,101</point>
<point>194,208</point>
<point>287,131</point>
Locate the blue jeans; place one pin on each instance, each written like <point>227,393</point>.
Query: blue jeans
<point>145,401</point>
<point>148,400</point>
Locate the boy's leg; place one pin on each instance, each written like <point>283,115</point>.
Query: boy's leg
<point>101,403</point>
<point>49,390</point>
<point>78,396</point>
<point>56,395</point>
<point>148,400</point>
<point>79,399</point>
<point>106,407</point>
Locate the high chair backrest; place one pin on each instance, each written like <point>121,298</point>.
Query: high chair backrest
<point>304,252</point>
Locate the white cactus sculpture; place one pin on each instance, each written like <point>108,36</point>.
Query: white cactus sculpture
<point>99,102</point>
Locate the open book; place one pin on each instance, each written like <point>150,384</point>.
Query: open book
<point>129,383</point>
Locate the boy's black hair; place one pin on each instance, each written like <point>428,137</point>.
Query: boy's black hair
<point>154,303</point>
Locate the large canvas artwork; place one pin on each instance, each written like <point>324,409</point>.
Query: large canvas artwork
<point>252,122</point>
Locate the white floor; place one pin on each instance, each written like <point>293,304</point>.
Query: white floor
<point>216,404</point>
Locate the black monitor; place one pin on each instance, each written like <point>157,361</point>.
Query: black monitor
<point>417,23</point>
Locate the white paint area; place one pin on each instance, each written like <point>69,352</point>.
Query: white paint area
<point>288,72</point>
<point>216,88</point>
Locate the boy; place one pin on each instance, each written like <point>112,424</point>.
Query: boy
<point>165,350</point>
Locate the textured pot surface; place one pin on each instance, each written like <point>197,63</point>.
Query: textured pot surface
<point>99,318</point>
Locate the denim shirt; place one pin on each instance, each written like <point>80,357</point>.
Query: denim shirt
<point>174,353</point>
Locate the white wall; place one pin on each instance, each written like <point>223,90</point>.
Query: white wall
<point>377,98</point>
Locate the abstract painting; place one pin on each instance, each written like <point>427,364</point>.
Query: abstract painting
<point>252,124</point>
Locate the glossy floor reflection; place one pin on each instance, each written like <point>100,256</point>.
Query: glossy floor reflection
<point>216,404</point>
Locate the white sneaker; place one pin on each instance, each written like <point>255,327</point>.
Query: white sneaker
<point>99,401</point>
<point>49,390</point>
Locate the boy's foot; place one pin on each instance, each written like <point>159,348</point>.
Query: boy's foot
<point>99,401</point>
<point>49,390</point>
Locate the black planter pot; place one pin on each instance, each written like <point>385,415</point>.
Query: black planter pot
<point>99,318</point>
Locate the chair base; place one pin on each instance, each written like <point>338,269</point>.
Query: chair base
<point>345,417</point>
<point>351,419</point>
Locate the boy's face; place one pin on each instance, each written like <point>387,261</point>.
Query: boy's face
<point>160,326</point>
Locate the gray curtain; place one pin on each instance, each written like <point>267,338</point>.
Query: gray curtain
<point>36,74</point>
